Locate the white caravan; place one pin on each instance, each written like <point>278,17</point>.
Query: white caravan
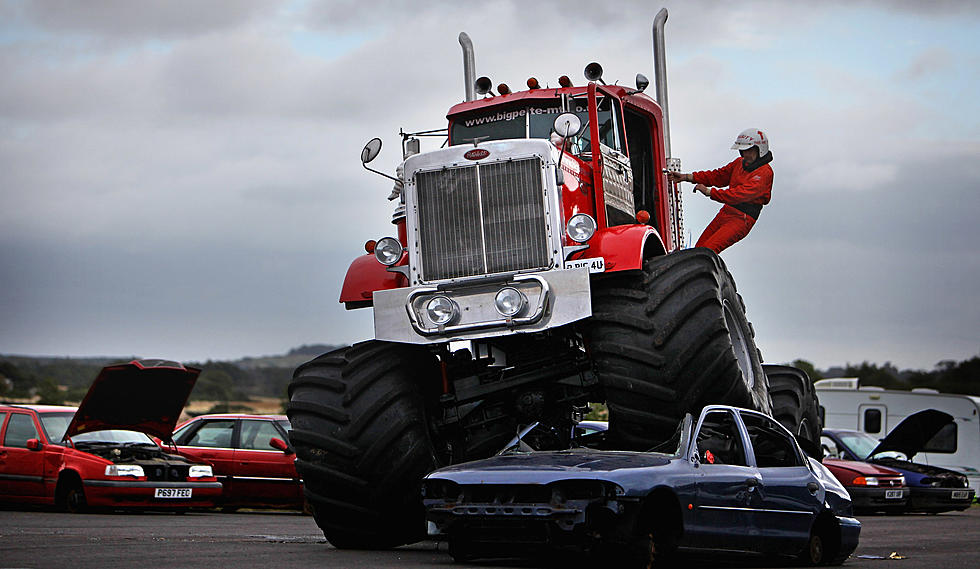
<point>844,404</point>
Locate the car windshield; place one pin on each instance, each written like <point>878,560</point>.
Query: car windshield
<point>536,119</point>
<point>55,425</point>
<point>859,444</point>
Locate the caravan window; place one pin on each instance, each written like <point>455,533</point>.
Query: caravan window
<point>872,421</point>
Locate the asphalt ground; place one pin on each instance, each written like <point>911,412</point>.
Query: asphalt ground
<point>44,539</point>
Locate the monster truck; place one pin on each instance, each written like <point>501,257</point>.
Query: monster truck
<point>538,266</point>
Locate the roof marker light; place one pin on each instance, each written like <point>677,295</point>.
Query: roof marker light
<point>503,89</point>
<point>564,81</point>
<point>532,83</point>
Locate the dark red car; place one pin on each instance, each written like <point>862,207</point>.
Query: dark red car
<point>250,455</point>
<point>872,487</point>
<point>101,454</point>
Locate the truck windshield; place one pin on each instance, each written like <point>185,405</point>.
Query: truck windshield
<point>535,120</point>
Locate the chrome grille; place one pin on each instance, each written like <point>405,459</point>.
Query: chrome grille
<point>482,219</point>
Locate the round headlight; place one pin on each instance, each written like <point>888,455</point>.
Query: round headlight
<point>581,227</point>
<point>388,251</point>
<point>441,310</point>
<point>509,301</point>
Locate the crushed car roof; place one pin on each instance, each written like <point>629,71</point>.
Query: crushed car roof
<point>141,395</point>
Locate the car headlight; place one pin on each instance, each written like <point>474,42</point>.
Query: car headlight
<point>200,471</point>
<point>440,489</point>
<point>124,470</point>
<point>441,310</point>
<point>581,227</point>
<point>509,301</point>
<point>388,250</point>
<point>865,481</point>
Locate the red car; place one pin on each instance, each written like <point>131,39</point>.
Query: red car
<point>250,455</point>
<point>872,488</point>
<point>101,454</point>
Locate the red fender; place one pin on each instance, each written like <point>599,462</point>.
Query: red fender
<point>622,246</point>
<point>366,275</point>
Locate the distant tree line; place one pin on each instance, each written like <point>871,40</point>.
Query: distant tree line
<point>56,381</point>
<point>948,376</point>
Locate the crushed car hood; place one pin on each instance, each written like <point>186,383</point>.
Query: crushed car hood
<point>546,466</point>
<point>911,435</point>
<point>142,395</point>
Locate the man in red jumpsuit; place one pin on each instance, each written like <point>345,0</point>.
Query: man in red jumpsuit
<point>748,179</point>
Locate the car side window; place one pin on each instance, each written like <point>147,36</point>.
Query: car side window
<point>256,435</point>
<point>213,434</point>
<point>719,441</point>
<point>829,447</point>
<point>20,429</point>
<point>773,446</point>
<point>3,415</point>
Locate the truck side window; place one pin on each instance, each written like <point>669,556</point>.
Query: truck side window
<point>639,140</point>
<point>872,421</point>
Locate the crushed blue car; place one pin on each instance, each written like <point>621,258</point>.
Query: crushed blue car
<point>734,481</point>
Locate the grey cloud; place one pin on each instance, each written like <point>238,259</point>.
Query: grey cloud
<point>204,200</point>
<point>928,63</point>
<point>147,19</point>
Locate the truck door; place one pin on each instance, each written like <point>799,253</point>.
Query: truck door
<point>873,419</point>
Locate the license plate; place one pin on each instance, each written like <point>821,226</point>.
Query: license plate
<point>889,494</point>
<point>172,493</point>
<point>595,264</point>
<point>960,494</point>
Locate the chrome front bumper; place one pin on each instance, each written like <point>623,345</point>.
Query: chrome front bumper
<point>554,298</point>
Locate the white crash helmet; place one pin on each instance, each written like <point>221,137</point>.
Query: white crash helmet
<point>752,137</point>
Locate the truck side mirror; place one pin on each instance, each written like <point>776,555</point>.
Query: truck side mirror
<point>371,150</point>
<point>567,124</point>
<point>33,444</point>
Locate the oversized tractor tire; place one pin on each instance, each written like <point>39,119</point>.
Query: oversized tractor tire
<point>668,340</point>
<point>358,424</point>
<point>795,405</point>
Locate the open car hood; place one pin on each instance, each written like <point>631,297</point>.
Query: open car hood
<point>142,395</point>
<point>911,435</point>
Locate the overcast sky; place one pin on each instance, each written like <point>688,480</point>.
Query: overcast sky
<point>181,178</point>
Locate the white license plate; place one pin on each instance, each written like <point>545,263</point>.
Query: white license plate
<point>595,264</point>
<point>889,494</point>
<point>960,494</point>
<point>172,493</point>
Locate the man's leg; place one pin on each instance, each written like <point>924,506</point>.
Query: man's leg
<point>726,229</point>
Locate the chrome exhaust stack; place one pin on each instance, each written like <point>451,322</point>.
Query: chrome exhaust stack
<point>469,65</point>
<point>660,71</point>
<point>676,220</point>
